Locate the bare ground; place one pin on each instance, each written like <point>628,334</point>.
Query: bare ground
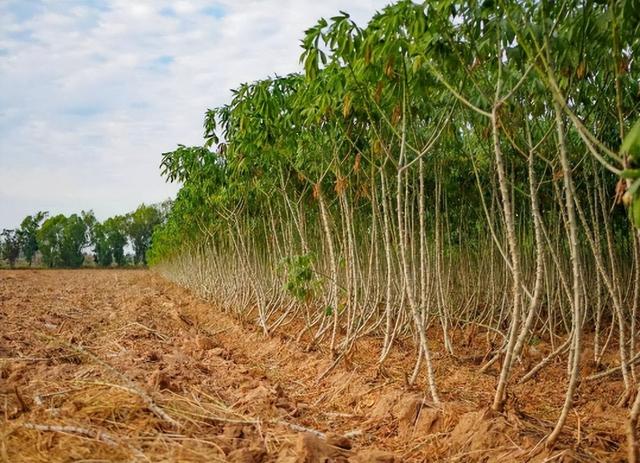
<point>121,365</point>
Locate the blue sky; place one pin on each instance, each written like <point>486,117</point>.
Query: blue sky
<point>92,92</point>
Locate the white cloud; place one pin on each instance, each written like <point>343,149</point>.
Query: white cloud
<point>93,91</point>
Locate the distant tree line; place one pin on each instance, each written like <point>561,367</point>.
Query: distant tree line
<point>64,241</point>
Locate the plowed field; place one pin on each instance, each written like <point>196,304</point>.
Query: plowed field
<point>121,365</point>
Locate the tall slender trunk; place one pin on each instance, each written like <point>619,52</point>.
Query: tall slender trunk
<point>402,244</point>
<point>539,257</point>
<point>500,395</point>
<point>577,278</point>
<point>389,267</point>
<point>333,296</point>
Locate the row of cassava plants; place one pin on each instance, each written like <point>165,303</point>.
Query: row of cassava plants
<point>450,165</point>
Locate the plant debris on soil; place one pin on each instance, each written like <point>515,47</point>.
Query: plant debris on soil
<point>121,365</point>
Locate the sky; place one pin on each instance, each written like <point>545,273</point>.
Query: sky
<point>92,92</point>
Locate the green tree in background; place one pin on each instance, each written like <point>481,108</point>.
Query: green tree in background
<point>28,239</point>
<point>62,239</point>
<point>10,247</point>
<point>115,231</point>
<point>140,225</point>
<point>74,239</point>
<point>49,238</point>
<point>102,252</point>
<point>109,240</point>
<point>89,219</point>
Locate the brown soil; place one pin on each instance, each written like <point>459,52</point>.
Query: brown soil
<point>123,366</point>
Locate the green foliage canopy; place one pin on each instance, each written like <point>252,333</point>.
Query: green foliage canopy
<point>10,246</point>
<point>28,235</point>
